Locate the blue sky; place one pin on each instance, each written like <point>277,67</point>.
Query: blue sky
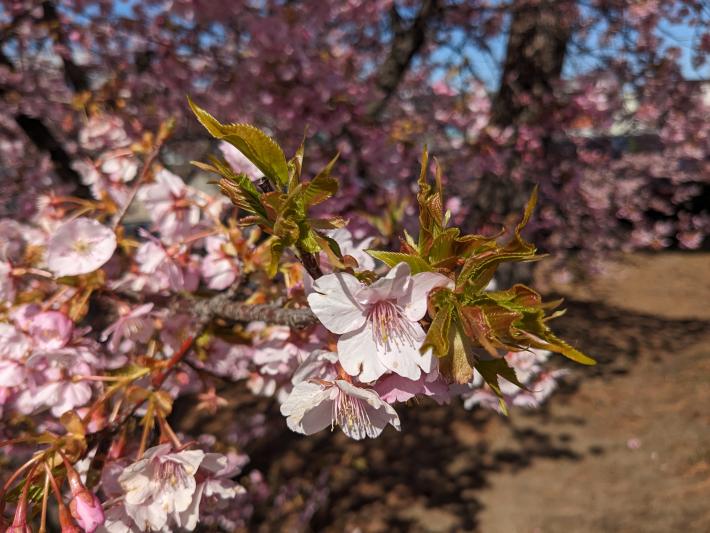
<point>487,65</point>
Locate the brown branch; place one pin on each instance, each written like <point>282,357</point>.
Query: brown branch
<point>222,307</point>
<point>136,185</point>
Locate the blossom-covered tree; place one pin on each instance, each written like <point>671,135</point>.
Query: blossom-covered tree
<point>338,286</point>
<point>590,102</point>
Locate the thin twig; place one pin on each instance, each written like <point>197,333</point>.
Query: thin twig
<point>137,184</point>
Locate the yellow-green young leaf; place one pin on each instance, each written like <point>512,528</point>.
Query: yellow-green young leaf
<point>322,186</point>
<point>244,182</point>
<point>416,263</point>
<point>479,265</point>
<point>327,223</point>
<point>458,364</point>
<point>287,230</point>
<point>295,165</point>
<point>318,190</point>
<point>256,145</point>
<point>437,338</point>
<point>409,241</point>
<point>234,193</point>
<point>442,246</point>
<point>554,344</point>
<point>308,241</point>
<point>276,249</point>
<point>331,248</point>
<point>424,187</point>
<point>73,424</point>
<point>529,208</point>
<point>492,368</point>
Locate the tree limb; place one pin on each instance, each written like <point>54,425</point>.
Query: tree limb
<point>222,307</point>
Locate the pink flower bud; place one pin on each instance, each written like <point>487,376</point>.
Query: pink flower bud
<point>86,509</point>
<point>19,521</point>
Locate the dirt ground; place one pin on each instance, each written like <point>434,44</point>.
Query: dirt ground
<point>622,447</point>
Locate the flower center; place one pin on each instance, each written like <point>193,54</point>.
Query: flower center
<point>172,472</point>
<point>81,246</point>
<point>390,328</point>
<point>348,412</point>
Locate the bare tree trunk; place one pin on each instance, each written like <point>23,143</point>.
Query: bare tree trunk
<point>537,44</point>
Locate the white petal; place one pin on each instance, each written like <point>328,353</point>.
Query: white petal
<point>357,353</point>
<point>403,360</point>
<point>308,408</point>
<point>335,303</point>
<point>188,518</point>
<point>189,459</point>
<point>394,285</point>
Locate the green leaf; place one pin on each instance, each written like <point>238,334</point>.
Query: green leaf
<point>256,145</point>
<point>437,338</point>
<point>309,242</point>
<point>287,230</point>
<point>331,248</point>
<point>276,249</point>
<point>295,165</point>
<point>490,369</point>
<point>321,187</point>
<point>458,363</point>
<point>555,344</point>
<point>479,268</point>
<point>327,223</point>
<point>416,263</point>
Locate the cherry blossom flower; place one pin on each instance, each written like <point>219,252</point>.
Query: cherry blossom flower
<point>172,205</point>
<point>54,387</point>
<point>220,267</point>
<point>119,166</point>
<point>357,251</point>
<point>131,327</point>
<point>213,487</point>
<point>320,364</point>
<point>164,489</point>
<point>103,131</point>
<point>378,323</point>
<point>314,405</point>
<point>160,486</point>
<point>79,247</point>
<point>51,330</point>
<point>160,267</point>
<point>13,343</point>
<point>529,371</point>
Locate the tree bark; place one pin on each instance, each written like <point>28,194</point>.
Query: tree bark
<point>540,31</point>
<point>406,43</point>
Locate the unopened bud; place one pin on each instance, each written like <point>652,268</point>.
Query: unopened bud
<point>84,506</point>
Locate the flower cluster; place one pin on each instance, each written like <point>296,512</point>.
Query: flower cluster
<point>104,325</point>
